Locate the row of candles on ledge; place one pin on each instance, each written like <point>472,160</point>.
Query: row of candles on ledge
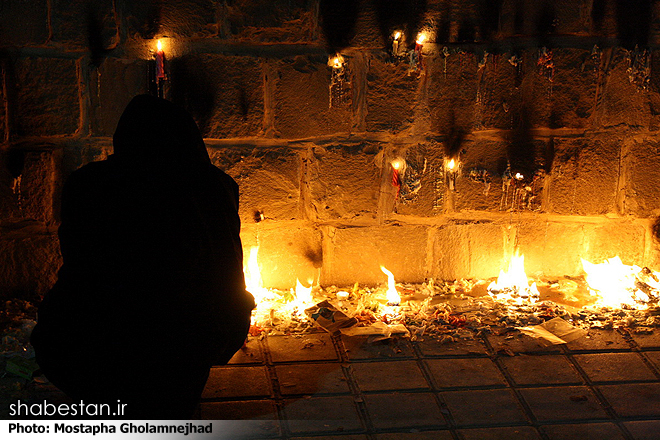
<point>451,170</point>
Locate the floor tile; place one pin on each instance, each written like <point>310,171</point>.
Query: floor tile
<point>587,431</point>
<point>322,414</point>
<point>563,403</point>
<point>633,400</point>
<point>399,410</point>
<point>311,347</point>
<point>359,347</point>
<point>311,378</point>
<point>226,382</point>
<point>647,341</point>
<point>464,372</point>
<point>508,433</point>
<point>599,340</point>
<point>389,375</point>
<point>483,407</point>
<point>644,430</point>
<point>239,410</point>
<point>604,367</point>
<point>654,357</point>
<point>249,354</point>
<point>540,370</point>
<point>461,347</point>
<point>519,343</point>
<point>416,435</point>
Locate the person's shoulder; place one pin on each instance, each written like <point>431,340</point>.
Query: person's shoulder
<point>225,178</point>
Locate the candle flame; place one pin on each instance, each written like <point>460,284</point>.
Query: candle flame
<point>519,176</point>
<point>397,35</point>
<point>159,45</point>
<point>451,164</point>
<point>393,297</point>
<point>397,164</point>
<point>512,284</point>
<point>421,38</point>
<point>253,281</point>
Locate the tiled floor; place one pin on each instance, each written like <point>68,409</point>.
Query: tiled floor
<point>603,386</point>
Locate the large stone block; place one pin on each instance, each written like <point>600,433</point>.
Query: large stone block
<point>452,92</point>
<point>479,181</point>
<point>559,91</point>
<point>367,30</point>
<point>423,184</point>
<point>118,82</point>
<point>223,93</point>
<point>268,180</point>
<point>345,181</point>
<point>80,152</point>
<point>641,159</point>
<point>85,23</point>
<point>28,265</point>
<point>614,237</point>
<point>179,18</point>
<point>302,99</point>
<point>268,21</point>
<point>498,97</point>
<point>23,23</point>
<point>30,183</point>
<point>288,251</point>
<point>355,254</point>
<point>584,176</point>
<point>46,97</point>
<point>391,95</point>
<point>622,101</point>
<point>468,249</point>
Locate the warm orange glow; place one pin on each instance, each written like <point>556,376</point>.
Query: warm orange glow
<point>393,297</point>
<point>616,284</point>
<point>397,164</point>
<point>159,45</point>
<point>512,284</point>
<point>253,282</point>
<point>336,62</point>
<point>303,295</point>
<point>397,35</point>
<point>451,164</point>
<point>421,38</point>
<point>519,176</point>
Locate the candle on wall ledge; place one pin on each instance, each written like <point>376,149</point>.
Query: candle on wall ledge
<point>395,44</point>
<point>451,171</point>
<point>160,75</point>
<point>397,170</point>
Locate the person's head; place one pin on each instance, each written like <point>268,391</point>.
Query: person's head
<point>154,131</point>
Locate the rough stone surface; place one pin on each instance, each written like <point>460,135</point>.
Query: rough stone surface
<point>344,181</point>
<point>513,433</point>
<point>117,82</point>
<point>563,403</point>
<point>38,185</point>
<point>448,373</point>
<point>646,402</point>
<point>312,379</point>
<point>483,407</point>
<point>268,180</point>
<point>584,176</point>
<point>603,431</point>
<point>287,251</point>
<point>391,94</point>
<point>312,347</point>
<point>356,254</point>
<point>538,370</point>
<point>29,265</point>
<point>405,375</point>
<point>470,250</point>
<point>641,158</point>
<point>614,367</point>
<point>323,414</point>
<point>46,97</point>
<point>223,93</point>
<point>423,186</point>
<point>227,382</point>
<point>393,410</point>
<point>268,21</point>
<point>92,24</point>
<point>33,19</point>
<point>302,99</point>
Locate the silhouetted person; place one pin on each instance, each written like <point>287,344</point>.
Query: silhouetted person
<point>151,292</point>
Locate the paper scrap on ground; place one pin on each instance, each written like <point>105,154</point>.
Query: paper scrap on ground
<point>553,332</point>
<point>377,329</point>
<point>328,317</point>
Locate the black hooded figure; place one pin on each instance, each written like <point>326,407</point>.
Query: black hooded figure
<point>151,292</point>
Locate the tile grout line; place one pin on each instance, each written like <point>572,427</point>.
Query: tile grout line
<point>285,432</point>
<point>358,397</point>
<point>510,383</point>
<point>601,398</point>
<point>444,409</point>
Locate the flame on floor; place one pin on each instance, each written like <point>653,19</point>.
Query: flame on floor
<point>512,284</point>
<point>617,284</point>
<point>393,297</point>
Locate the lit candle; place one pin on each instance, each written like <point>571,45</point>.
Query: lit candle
<point>419,45</point>
<point>395,44</point>
<point>160,62</point>
<point>397,166</point>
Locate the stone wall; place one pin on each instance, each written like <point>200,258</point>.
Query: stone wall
<point>565,93</point>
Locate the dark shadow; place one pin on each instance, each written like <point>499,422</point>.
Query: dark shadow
<point>338,19</point>
<point>455,135</point>
<point>521,150</point>
<point>598,9</point>
<point>400,15</point>
<point>489,18</point>
<point>633,22</point>
<point>193,89</point>
<point>95,36</point>
<point>545,25</point>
